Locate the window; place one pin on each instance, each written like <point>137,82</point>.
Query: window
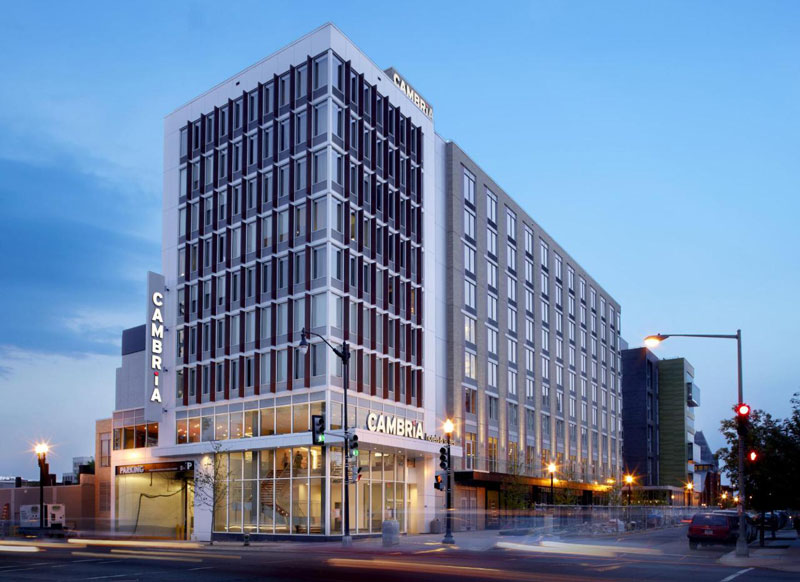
<point>529,388</point>
<point>511,256</point>
<point>491,375</point>
<point>491,275</point>
<point>491,242</point>
<point>469,329</point>
<point>470,366</point>
<point>511,224</point>
<point>469,224</point>
<point>320,71</point>
<point>511,289</point>
<point>512,384</point>
<point>491,340</point>
<point>491,207</point>
<point>469,259</point>
<point>492,407</point>
<point>469,187</point>
<point>512,320</point>
<point>470,404</point>
<point>491,307</point>
<point>469,294</point>
<point>301,128</point>
<point>543,249</point>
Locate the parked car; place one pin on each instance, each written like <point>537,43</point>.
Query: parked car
<point>750,521</point>
<point>713,528</point>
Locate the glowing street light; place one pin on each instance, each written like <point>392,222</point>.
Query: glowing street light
<point>41,450</point>
<point>551,468</point>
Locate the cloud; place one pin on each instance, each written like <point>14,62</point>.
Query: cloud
<point>55,398</point>
<point>74,286</point>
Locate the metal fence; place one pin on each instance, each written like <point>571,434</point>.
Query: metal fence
<point>591,519</point>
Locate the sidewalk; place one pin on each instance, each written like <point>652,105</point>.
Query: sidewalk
<point>773,555</point>
<point>471,541</point>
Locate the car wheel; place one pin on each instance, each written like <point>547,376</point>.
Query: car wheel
<point>692,545</point>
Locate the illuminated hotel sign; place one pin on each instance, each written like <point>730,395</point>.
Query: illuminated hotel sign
<point>417,99</point>
<point>388,424</point>
<point>155,347</point>
<point>397,426</point>
<point>156,343</point>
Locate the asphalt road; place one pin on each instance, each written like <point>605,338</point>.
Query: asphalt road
<point>661,555</point>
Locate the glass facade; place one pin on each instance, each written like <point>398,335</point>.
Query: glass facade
<point>283,491</point>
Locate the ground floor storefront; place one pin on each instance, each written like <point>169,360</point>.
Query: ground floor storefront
<point>300,491</point>
<point>274,492</point>
<point>155,499</point>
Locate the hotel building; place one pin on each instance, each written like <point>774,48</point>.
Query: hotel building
<point>311,191</point>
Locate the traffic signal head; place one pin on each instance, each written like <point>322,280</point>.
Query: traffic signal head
<point>443,460</point>
<point>317,429</point>
<point>438,482</point>
<point>353,444</point>
<point>742,419</point>
<point>753,456</point>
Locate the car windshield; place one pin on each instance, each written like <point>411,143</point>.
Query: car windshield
<point>707,519</point>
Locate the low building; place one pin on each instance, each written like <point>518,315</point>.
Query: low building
<point>78,501</point>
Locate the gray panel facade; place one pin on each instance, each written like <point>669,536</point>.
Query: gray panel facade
<point>540,380</point>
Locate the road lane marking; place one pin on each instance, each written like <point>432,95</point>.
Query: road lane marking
<point>187,554</point>
<point>200,568</point>
<point>137,557</point>
<point>734,575</point>
<point>154,544</point>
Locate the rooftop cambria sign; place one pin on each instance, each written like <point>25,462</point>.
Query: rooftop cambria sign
<point>401,84</point>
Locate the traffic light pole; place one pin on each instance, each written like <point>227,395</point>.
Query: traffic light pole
<point>448,535</point>
<point>345,357</point>
<point>741,541</point>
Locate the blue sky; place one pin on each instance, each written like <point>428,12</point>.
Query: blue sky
<point>657,142</point>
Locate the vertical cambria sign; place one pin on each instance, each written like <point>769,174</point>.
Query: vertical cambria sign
<point>156,342</point>
<point>155,329</point>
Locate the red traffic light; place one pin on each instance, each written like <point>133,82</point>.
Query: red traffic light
<point>753,455</point>
<point>743,409</point>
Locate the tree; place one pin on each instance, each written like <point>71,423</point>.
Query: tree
<point>211,481</point>
<point>564,494</point>
<point>771,481</point>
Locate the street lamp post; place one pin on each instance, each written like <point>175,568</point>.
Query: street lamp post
<point>654,340</point>
<point>41,452</point>
<point>344,355</point>
<point>448,535</point>
<point>551,468</point>
<point>629,483</point>
<point>689,489</point>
